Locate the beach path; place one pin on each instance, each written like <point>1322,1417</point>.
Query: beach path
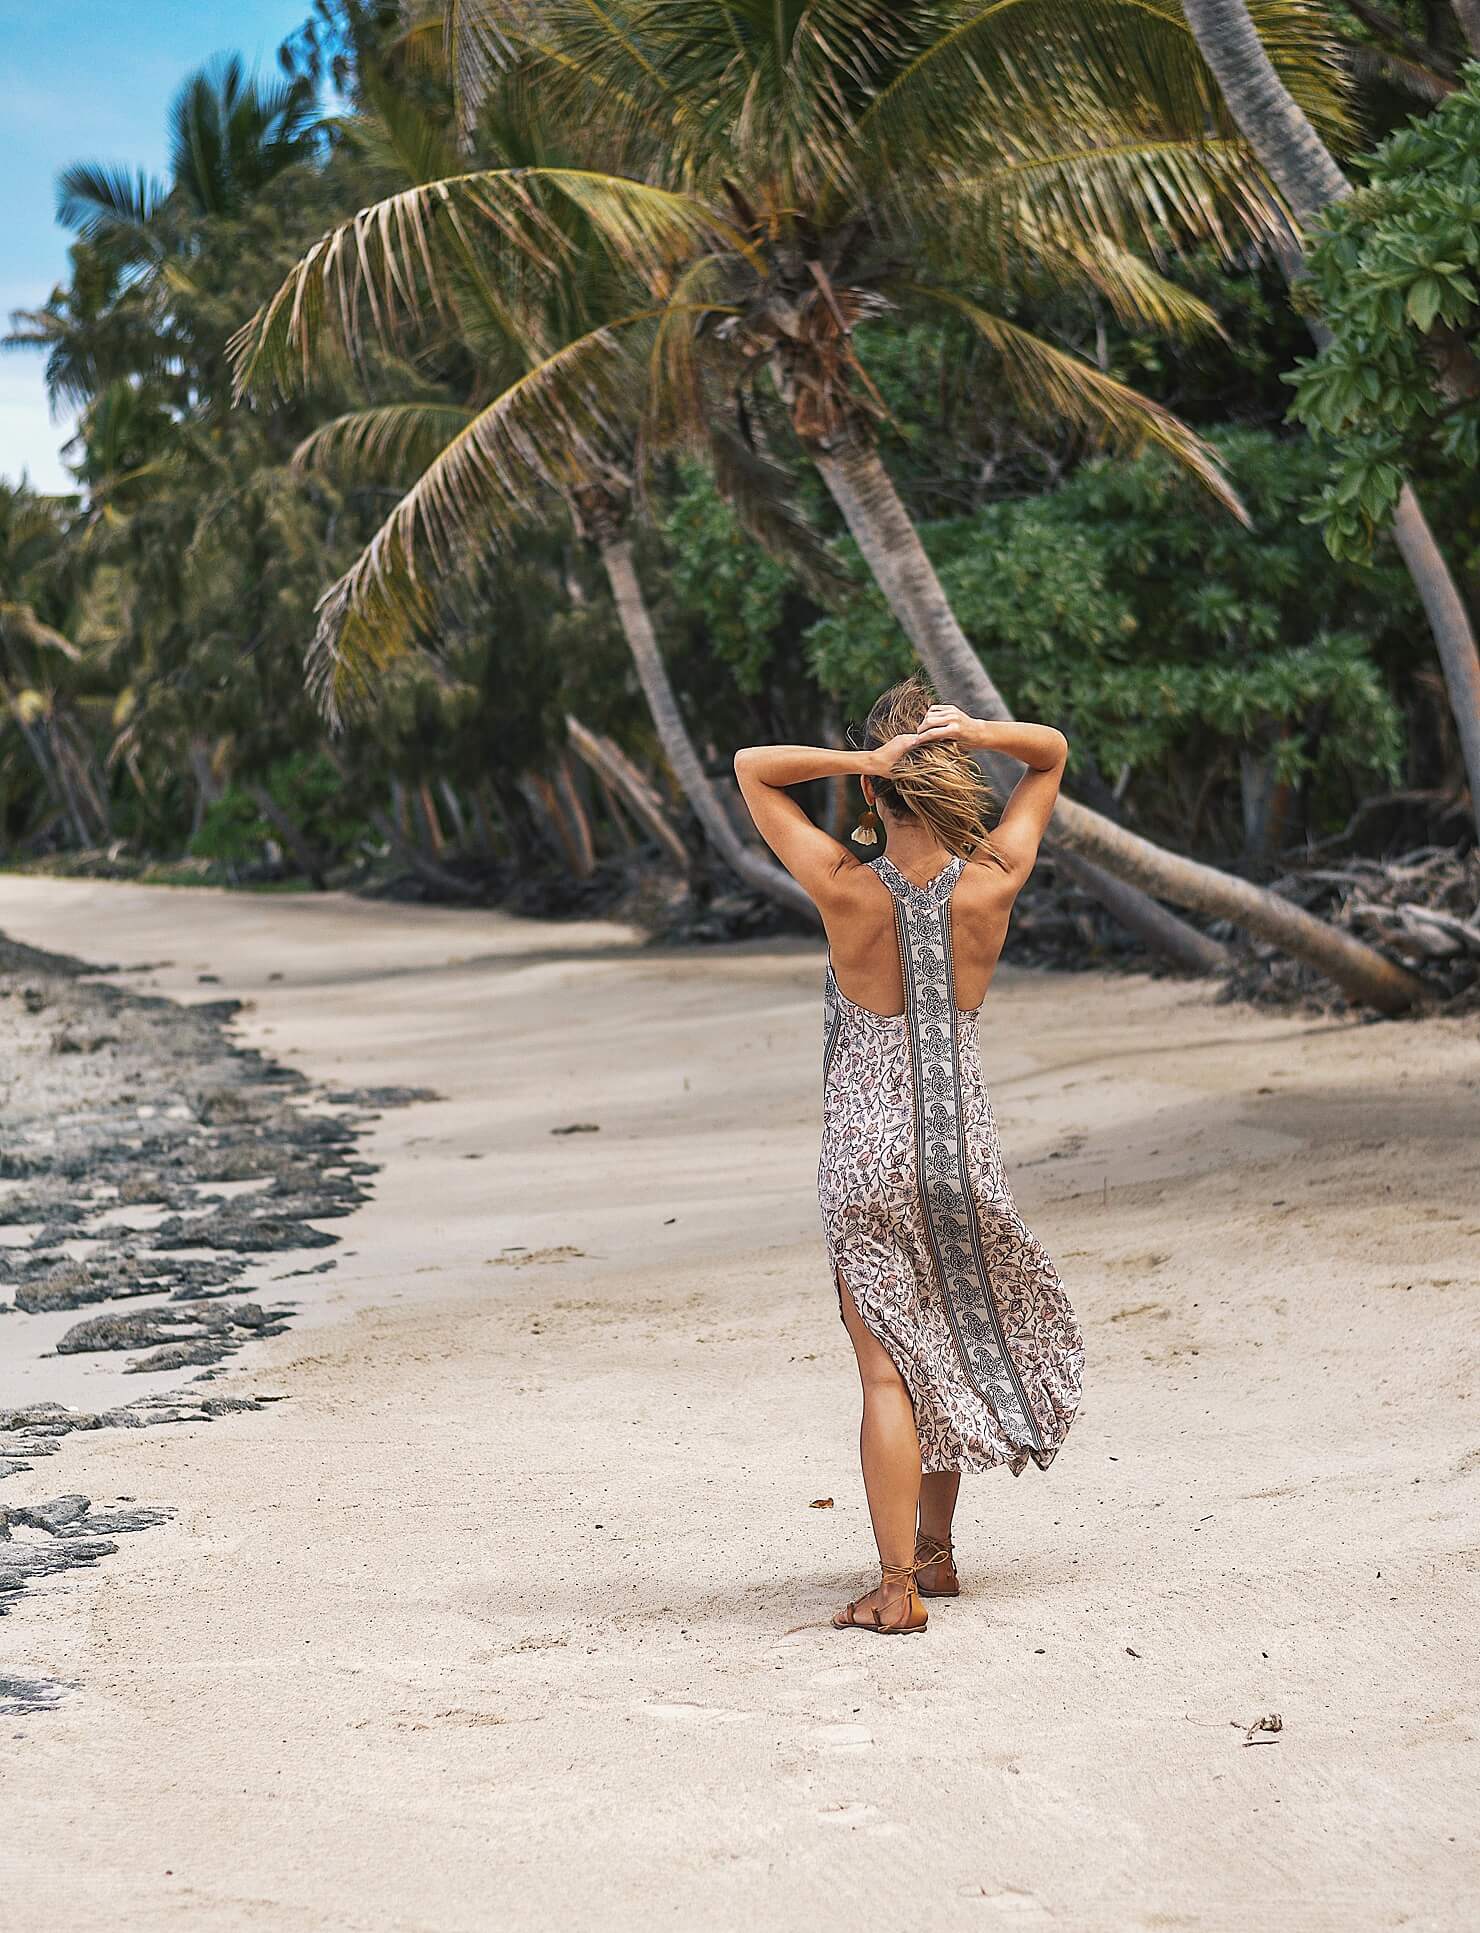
<point>512,1613</point>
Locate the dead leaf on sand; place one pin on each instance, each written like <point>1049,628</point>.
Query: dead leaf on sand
<point>1271,1722</point>
<point>821,1503</point>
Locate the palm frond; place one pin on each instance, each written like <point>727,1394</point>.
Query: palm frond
<point>1136,291</point>
<point>677,401</point>
<point>1420,79</point>
<point>1154,190</point>
<point>564,424</point>
<point>1054,386</point>
<point>389,444</point>
<point>763,497</point>
<point>576,56</point>
<point>479,48</point>
<point>399,131</point>
<point>230,133</point>
<point>390,265</point>
<point>989,66</point>
<point>100,203</point>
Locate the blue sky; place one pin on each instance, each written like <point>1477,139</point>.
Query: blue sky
<point>90,80</point>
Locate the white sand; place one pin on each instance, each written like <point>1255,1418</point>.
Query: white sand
<point>514,1614</point>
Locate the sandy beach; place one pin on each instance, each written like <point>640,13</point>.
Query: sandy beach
<point>511,1610</point>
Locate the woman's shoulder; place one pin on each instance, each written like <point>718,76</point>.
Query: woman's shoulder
<point>984,881</point>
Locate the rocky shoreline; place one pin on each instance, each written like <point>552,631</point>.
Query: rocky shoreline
<point>149,1165</point>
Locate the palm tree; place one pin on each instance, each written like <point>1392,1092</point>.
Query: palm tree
<point>472,466</point>
<point>1303,168</point>
<point>448,444</point>
<point>230,134</point>
<point>791,170</point>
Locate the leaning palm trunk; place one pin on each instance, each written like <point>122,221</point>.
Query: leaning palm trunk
<point>1303,169</point>
<point>637,627</point>
<point>615,770</point>
<point>891,547</point>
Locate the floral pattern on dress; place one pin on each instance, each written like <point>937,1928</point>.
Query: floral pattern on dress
<point>913,1200</point>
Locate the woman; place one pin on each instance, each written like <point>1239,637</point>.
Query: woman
<point>967,1347</point>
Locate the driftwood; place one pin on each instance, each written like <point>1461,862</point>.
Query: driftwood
<point>613,767</point>
<point>1421,907</point>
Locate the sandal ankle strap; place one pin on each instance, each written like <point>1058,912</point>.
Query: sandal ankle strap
<point>939,1551</point>
<point>900,1573</point>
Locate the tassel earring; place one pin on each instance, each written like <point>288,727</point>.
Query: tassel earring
<point>866,832</point>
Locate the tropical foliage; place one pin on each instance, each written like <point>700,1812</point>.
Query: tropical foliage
<point>1396,276</point>
<point>565,359</point>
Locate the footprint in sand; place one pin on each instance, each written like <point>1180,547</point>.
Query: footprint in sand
<point>836,1677</point>
<point>683,1711</point>
<point>852,1812</point>
<point>1010,1899</point>
<point>843,1738</point>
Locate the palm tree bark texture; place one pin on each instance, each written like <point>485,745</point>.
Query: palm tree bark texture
<point>637,628</point>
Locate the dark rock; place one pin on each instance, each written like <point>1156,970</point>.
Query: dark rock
<point>72,1285</point>
<point>171,1114</point>
<point>33,1414</point>
<point>187,1335</point>
<point>76,1536</point>
<point>218,1009</point>
<point>133,1331</point>
<point>382,1096</point>
<point>252,1234</point>
<point>181,1355</point>
<point>51,1516</point>
<point>21,1696</point>
<point>38,1206</point>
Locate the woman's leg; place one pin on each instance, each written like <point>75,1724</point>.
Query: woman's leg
<point>938,1576</point>
<point>890,1451</point>
<point>938,1492</point>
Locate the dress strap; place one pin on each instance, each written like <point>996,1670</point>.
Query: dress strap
<point>935,892</point>
<point>959,1247</point>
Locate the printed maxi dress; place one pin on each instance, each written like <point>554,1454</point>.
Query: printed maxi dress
<point>920,1222</point>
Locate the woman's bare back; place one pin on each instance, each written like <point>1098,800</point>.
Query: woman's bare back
<point>865,949</point>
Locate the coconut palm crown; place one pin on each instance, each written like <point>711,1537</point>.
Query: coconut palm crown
<point>757,182</point>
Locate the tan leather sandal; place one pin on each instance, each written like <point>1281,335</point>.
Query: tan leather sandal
<point>935,1561</point>
<point>888,1574</point>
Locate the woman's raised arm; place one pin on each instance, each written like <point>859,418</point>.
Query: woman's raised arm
<point>812,857</point>
<point>1044,749</point>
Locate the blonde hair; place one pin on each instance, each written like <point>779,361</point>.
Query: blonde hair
<point>937,784</point>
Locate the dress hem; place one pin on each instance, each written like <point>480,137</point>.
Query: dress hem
<point>970,1466</point>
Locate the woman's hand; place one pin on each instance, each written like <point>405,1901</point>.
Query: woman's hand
<point>949,721</point>
<point>883,758</point>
